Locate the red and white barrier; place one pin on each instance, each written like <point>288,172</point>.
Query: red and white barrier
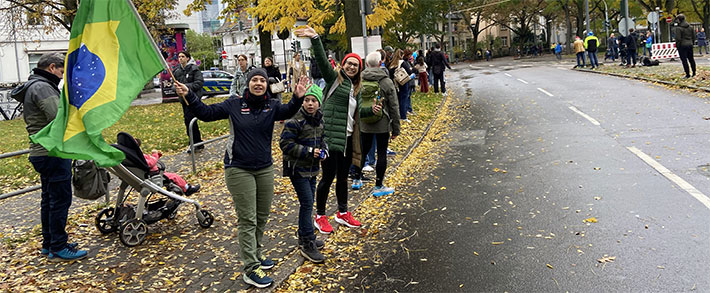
<point>664,51</point>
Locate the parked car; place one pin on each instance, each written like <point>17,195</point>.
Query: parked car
<point>216,82</point>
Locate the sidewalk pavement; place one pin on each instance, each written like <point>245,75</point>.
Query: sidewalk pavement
<point>176,255</point>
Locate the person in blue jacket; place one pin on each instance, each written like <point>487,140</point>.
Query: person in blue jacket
<point>248,165</point>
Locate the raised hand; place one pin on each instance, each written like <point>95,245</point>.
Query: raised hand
<point>306,31</point>
<point>301,88</point>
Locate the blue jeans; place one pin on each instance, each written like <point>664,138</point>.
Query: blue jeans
<point>55,175</point>
<point>593,59</point>
<point>370,158</point>
<point>403,97</point>
<point>305,190</point>
<point>580,56</point>
<point>430,75</point>
<point>409,100</point>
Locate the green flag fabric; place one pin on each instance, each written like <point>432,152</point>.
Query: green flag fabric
<point>110,58</point>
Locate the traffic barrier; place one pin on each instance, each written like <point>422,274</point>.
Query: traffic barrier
<point>664,51</point>
<point>210,89</point>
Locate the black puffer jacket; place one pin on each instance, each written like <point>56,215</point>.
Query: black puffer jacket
<point>684,34</point>
<point>191,76</point>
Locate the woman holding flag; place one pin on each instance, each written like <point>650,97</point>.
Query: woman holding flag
<point>249,172</point>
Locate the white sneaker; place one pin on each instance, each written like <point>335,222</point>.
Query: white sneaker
<point>368,168</point>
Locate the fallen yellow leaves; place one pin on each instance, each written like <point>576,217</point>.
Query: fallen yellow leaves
<point>606,259</point>
<point>590,220</point>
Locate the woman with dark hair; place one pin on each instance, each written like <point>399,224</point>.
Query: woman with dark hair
<point>403,89</point>
<point>342,134</point>
<point>190,75</point>
<point>248,164</point>
<point>274,74</point>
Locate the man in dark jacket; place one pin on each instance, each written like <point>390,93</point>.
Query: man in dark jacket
<point>438,66</point>
<point>40,98</point>
<point>189,74</point>
<point>684,40</point>
<point>631,42</point>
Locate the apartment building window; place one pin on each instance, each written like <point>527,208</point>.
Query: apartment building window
<point>32,59</point>
<point>503,28</point>
<point>504,41</point>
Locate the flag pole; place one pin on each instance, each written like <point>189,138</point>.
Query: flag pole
<point>154,45</point>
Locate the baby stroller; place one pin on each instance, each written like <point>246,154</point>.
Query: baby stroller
<point>130,221</point>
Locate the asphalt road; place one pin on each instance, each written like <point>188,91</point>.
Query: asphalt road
<point>543,149</point>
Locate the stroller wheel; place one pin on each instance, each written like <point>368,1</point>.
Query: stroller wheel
<point>133,232</point>
<point>105,221</point>
<point>205,219</point>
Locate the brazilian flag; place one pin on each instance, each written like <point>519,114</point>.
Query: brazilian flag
<point>111,57</point>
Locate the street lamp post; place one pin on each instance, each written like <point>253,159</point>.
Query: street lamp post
<point>586,12</point>
<point>606,21</point>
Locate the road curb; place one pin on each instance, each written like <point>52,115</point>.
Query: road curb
<point>698,88</point>
<point>291,261</point>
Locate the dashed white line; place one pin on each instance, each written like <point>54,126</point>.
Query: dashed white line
<point>508,75</point>
<point>545,92</point>
<point>520,80</point>
<point>594,121</point>
<point>671,176</point>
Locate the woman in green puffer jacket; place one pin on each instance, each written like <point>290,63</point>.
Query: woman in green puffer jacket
<point>341,131</point>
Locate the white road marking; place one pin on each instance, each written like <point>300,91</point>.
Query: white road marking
<point>671,176</point>
<point>545,92</point>
<point>520,80</point>
<point>594,121</point>
<point>508,75</point>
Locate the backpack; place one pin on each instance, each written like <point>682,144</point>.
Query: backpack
<point>370,92</point>
<point>89,181</point>
<point>401,76</point>
<point>648,62</point>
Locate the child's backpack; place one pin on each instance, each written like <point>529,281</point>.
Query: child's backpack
<point>89,181</point>
<point>370,92</point>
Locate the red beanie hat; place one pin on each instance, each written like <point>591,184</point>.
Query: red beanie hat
<point>356,56</point>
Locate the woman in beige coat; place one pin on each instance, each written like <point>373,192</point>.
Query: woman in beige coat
<point>296,69</point>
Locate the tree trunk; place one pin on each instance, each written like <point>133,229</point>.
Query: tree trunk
<point>353,21</point>
<point>264,43</point>
<point>568,33</point>
<point>580,18</point>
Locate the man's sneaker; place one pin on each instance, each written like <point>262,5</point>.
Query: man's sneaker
<point>382,190</point>
<point>357,183</point>
<point>266,264</point>
<point>368,168</point>
<point>319,244</point>
<point>347,220</point>
<point>45,251</point>
<point>321,223</point>
<point>67,254</point>
<point>258,279</point>
<point>391,152</point>
<point>192,189</point>
<point>310,252</point>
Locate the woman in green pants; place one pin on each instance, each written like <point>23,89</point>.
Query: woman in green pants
<point>249,171</point>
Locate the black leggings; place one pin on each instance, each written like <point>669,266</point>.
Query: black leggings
<point>382,144</point>
<point>336,164</point>
<point>686,54</point>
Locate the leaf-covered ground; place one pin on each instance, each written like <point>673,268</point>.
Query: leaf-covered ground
<point>178,255</point>
<point>668,71</point>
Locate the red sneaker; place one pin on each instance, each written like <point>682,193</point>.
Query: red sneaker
<point>347,220</point>
<point>321,223</point>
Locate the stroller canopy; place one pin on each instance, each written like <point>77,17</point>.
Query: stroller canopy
<point>134,156</point>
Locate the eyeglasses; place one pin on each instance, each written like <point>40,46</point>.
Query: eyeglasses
<point>353,64</point>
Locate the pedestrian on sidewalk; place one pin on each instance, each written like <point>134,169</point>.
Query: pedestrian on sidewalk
<point>296,69</point>
<point>579,50</point>
<point>303,150</point>
<point>684,40</point>
<point>342,134</point>
<point>438,65</point>
<point>316,76</point>
<point>558,51</point>
<point>274,74</point>
<point>421,68</point>
<point>648,43</point>
<point>248,165</point>
<point>40,96</point>
<point>380,119</point>
<point>631,42</point>
<point>399,61</point>
<point>189,74</point>
<point>240,82</point>
<point>591,43</point>
<point>702,41</point>
<point>612,48</point>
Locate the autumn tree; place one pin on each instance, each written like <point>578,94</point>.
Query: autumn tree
<point>666,5</point>
<point>518,16</point>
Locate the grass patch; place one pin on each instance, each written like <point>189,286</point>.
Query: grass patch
<point>159,126</point>
<point>666,72</point>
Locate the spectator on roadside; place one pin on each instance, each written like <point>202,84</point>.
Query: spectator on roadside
<point>40,96</point>
<point>421,68</point>
<point>189,74</point>
<point>296,69</point>
<point>488,54</point>
<point>341,130</point>
<point>412,81</point>
<point>427,60</point>
<point>631,45</point>
<point>303,150</point>
<point>685,38</point>
<point>612,48</point>
<point>248,164</point>
<point>702,41</point>
<point>239,82</point>
<point>274,75</point>
<point>399,61</point>
<point>648,42</point>
<point>372,129</point>
<point>558,51</point>
<point>438,65</point>
<point>591,43</point>
<point>621,41</point>
<point>332,62</point>
<point>316,75</point>
<point>579,50</point>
